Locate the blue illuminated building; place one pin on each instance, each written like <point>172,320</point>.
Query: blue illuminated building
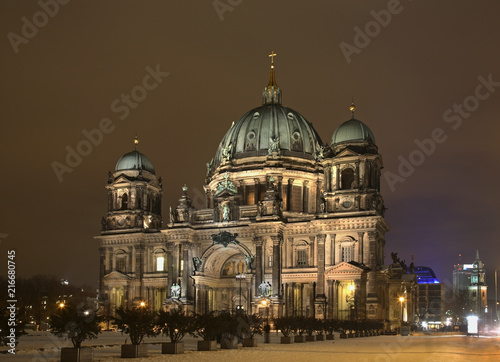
<point>430,299</point>
<point>425,275</point>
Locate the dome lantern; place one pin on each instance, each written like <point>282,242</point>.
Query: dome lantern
<point>272,93</point>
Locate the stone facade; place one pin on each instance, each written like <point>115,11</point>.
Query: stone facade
<point>299,221</point>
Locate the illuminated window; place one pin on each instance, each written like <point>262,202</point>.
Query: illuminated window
<point>270,261</point>
<point>160,263</point>
<point>301,257</point>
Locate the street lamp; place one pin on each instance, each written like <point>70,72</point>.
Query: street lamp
<point>402,299</point>
<point>240,277</point>
<point>267,328</point>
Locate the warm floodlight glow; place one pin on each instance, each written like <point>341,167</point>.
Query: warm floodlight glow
<point>351,287</point>
<point>143,304</point>
<point>401,299</point>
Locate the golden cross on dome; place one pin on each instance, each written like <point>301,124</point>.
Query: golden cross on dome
<point>272,55</point>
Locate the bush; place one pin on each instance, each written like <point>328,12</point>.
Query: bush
<point>331,325</point>
<point>285,325</point>
<point>137,322</point>
<point>250,325</point>
<point>299,325</point>
<point>77,323</point>
<point>175,324</point>
<point>206,326</point>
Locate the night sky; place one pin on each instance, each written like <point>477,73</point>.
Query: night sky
<point>431,70</point>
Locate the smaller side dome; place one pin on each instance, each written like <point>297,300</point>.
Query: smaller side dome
<point>135,161</point>
<point>352,130</point>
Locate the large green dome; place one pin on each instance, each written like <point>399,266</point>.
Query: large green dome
<point>255,132</point>
<point>352,130</point>
<point>134,161</point>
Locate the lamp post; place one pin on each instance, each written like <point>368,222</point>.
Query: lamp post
<point>402,299</point>
<point>267,328</point>
<point>240,277</point>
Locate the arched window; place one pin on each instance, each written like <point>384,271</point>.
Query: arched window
<point>347,179</point>
<point>124,202</point>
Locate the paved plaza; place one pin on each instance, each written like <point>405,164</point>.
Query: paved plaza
<point>42,346</point>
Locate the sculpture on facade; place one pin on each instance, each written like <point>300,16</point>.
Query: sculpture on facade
<point>265,289</point>
<point>225,212</point>
<point>227,152</point>
<point>209,167</point>
<point>197,263</point>
<point>319,155</point>
<point>274,146</point>
<point>249,259</point>
<point>175,291</point>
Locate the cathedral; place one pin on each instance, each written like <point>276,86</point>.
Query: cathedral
<point>291,226</point>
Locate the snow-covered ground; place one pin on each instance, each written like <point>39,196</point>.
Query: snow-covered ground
<point>43,347</point>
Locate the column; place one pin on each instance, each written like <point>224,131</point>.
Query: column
<point>280,186</point>
<point>102,271</point>
<point>257,191</point>
<point>320,311</point>
<point>305,197</point>
<point>171,266</point>
<point>276,284</point>
<point>328,182</point>
<point>371,288</point>
<point>289,195</point>
<point>139,270</point>
<point>337,178</point>
<point>361,247</point>
<point>243,193</point>
<point>332,248</point>
<point>258,261</point>
<point>318,196</point>
<point>187,287</point>
<point>320,282</point>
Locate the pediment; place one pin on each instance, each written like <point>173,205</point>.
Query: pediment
<point>346,268</point>
<point>121,179</point>
<point>116,275</point>
<point>347,153</point>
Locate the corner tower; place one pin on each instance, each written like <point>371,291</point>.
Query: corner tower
<point>133,255</point>
<point>134,195</point>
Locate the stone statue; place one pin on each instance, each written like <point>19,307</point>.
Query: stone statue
<point>274,146</point>
<point>265,289</point>
<point>227,152</point>
<point>249,259</point>
<point>225,212</point>
<point>175,291</point>
<point>259,208</point>
<point>320,152</point>
<point>209,167</point>
<point>395,259</point>
<point>197,263</point>
<point>171,216</point>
